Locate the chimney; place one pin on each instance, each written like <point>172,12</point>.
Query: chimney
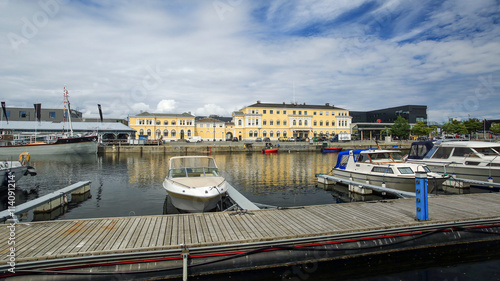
<point>258,102</point>
<point>327,104</point>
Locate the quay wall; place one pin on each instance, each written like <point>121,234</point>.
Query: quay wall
<point>215,147</point>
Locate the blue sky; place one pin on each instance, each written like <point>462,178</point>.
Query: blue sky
<point>215,57</point>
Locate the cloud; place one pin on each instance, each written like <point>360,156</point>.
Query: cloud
<point>183,56</point>
<point>166,106</point>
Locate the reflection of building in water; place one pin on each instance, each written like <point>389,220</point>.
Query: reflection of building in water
<point>271,173</point>
<point>147,171</point>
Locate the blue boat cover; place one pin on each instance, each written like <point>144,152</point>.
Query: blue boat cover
<point>345,155</point>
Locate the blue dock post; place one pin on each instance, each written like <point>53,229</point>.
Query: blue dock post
<point>421,195</point>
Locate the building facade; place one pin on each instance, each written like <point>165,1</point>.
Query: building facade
<point>270,120</point>
<point>158,126</point>
<point>46,114</point>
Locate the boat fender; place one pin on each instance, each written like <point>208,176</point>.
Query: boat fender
<point>24,157</point>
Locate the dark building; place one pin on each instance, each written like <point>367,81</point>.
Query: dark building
<point>412,113</point>
<point>28,114</point>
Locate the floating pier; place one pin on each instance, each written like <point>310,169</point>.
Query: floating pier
<point>205,244</point>
<point>49,202</point>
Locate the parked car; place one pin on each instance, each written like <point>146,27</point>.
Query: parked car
<point>258,139</point>
<point>282,139</point>
<point>299,139</point>
<point>267,139</point>
<point>291,139</point>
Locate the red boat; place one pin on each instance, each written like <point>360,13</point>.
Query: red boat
<point>331,149</point>
<point>270,150</point>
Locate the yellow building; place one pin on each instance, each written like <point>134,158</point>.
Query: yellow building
<point>169,127</point>
<point>268,120</point>
<point>212,129</point>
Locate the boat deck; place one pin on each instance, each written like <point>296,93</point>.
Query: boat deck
<point>89,237</point>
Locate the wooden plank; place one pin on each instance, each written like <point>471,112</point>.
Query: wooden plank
<point>174,239</point>
<point>148,237</point>
<point>75,238</point>
<point>94,238</point>
<point>123,234</point>
<point>137,231</point>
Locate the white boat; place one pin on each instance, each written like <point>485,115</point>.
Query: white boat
<point>475,160</point>
<point>12,170</point>
<point>383,167</point>
<point>194,183</point>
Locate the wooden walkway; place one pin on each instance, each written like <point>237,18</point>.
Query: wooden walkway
<point>60,239</point>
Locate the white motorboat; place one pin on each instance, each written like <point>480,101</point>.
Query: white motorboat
<point>474,160</point>
<point>383,168</point>
<point>194,183</point>
<point>12,170</point>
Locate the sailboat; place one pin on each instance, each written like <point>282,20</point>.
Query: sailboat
<point>71,144</point>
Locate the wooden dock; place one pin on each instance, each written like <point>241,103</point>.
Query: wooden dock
<point>53,244</point>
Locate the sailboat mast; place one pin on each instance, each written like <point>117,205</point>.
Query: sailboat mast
<point>66,102</point>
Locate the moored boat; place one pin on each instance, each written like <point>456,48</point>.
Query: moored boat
<point>384,168</point>
<point>194,184</point>
<point>12,170</point>
<point>474,160</point>
<point>331,149</point>
<point>71,145</point>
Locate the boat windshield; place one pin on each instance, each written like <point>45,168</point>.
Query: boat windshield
<point>487,151</point>
<point>194,172</point>
<point>386,157</point>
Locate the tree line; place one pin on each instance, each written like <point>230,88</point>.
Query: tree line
<point>402,128</point>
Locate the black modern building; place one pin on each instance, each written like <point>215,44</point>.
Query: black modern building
<point>412,113</point>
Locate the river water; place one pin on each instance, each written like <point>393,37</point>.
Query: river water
<point>131,185</point>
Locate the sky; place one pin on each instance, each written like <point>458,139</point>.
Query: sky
<point>218,56</point>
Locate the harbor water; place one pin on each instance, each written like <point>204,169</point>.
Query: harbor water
<point>131,185</point>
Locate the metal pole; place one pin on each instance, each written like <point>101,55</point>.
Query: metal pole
<point>421,196</point>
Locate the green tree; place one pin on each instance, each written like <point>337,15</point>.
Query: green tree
<point>421,130</point>
<point>455,127</point>
<point>495,128</point>
<point>401,128</point>
<point>473,125</point>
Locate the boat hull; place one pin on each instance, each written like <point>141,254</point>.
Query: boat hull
<point>462,171</point>
<point>398,183</point>
<point>17,172</point>
<point>50,149</point>
<point>196,198</point>
<point>272,150</point>
<point>331,149</point>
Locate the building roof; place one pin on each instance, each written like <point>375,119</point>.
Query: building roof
<point>210,120</point>
<point>325,106</point>
<point>147,114</point>
<point>58,126</point>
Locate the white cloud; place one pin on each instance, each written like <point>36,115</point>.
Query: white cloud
<point>179,57</point>
<point>166,106</point>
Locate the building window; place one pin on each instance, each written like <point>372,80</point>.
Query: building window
<point>300,112</point>
<point>264,134</point>
<point>250,134</point>
<point>271,111</point>
<point>264,111</point>
<point>294,112</point>
<point>277,122</point>
<point>305,112</point>
<point>8,113</point>
<point>305,122</point>
<point>284,111</point>
<point>277,112</point>
<point>189,133</point>
<point>255,134</point>
<point>52,115</point>
<point>257,122</point>
<point>314,112</point>
<point>300,122</point>
<point>327,123</point>
<point>278,134</point>
<point>22,114</point>
<point>165,133</point>
<point>165,122</point>
<point>271,122</point>
<point>173,122</point>
<point>326,113</point>
<point>315,123</point>
<point>271,134</point>
<point>284,123</point>
<point>284,134</point>
<point>158,133</point>
<point>264,122</point>
<point>239,122</point>
<point>158,122</point>
<point>172,133</point>
<point>294,123</point>
<point>321,113</point>
<point>141,132</point>
<point>321,123</point>
<point>149,132</point>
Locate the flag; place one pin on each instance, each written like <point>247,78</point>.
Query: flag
<point>100,111</point>
<point>38,111</point>
<point>5,112</point>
